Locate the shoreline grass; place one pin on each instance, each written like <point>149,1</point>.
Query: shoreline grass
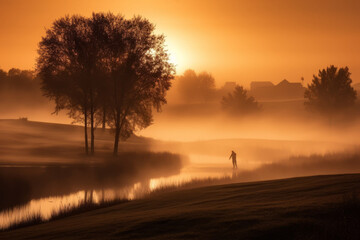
<point>345,207</point>
<point>63,213</point>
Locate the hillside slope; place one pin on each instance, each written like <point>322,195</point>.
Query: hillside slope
<point>318,207</point>
<point>27,142</point>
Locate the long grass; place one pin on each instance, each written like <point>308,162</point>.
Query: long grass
<point>334,220</point>
<point>89,206</point>
<point>84,207</point>
<point>28,221</point>
<point>194,183</point>
<point>63,213</point>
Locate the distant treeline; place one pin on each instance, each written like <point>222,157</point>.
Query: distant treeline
<point>18,89</point>
<point>330,92</point>
<point>22,88</point>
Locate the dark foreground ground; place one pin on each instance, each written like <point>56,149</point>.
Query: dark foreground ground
<point>318,207</point>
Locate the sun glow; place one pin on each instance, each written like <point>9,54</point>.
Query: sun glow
<point>177,59</point>
<point>176,56</point>
<point>173,59</point>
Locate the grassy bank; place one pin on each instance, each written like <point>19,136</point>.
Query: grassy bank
<point>44,159</point>
<point>318,207</point>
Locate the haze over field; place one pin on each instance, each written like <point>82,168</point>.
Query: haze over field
<point>117,104</point>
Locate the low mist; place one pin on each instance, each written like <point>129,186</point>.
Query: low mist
<point>275,141</point>
<point>283,133</point>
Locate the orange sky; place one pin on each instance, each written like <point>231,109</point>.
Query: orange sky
<point>238,41</point>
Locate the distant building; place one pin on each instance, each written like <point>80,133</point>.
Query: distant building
<point>229,87</point>
<point>295,88</point>
<point>226,89</point>
<point>284,90</point>
<point>257,85</point>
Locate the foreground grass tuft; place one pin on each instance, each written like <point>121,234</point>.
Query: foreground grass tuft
<point>64,212</point>
<point>84,207</point>
<point>29,221</point>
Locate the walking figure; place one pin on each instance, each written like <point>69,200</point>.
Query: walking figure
<point>233,157</point>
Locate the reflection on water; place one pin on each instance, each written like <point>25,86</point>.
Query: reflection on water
<point>46,207</point>
<point>200,167</point>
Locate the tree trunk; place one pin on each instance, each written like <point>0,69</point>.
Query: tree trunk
<point>116,142</point>
<point>92,132</point>
<point>117,132</point>
<point>92,123</point>
<point>91,196</point>
<point>117,118</point>
<point>104,118</point>
<point>85,196</point>
<point>119,125</point>
<point>86,135</point>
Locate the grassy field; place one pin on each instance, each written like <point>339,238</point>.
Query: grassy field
<point>44,159</point>
<point>317,207</point>
<point>34,143</point>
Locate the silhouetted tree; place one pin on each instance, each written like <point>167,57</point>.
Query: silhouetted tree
<point>140,74</point>
<point>105,67</point>
<point>330,91</point>
<point>238,102</point>
<point>194,87</point>
<point>3,76</point>
<point>68,66</point>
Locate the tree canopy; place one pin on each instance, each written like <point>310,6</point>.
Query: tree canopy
<point>139,73</point>
<point>106,64</point>
<point>196,87</point>
<point>330,91</point>
<point>238,102</point>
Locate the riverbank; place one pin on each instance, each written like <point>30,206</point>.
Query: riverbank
<point>317,207</point>
<point>40,160</point>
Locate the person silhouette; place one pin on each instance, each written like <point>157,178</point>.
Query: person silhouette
<point>233,156</point>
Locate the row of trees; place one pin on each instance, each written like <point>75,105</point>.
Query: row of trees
<point>19,89</point>
<point>329,93</point>
<point>195,88</point>
<point>105,69</point>
<point>18,79</point>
